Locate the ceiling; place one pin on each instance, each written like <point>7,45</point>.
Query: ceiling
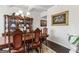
<point>33,8</point>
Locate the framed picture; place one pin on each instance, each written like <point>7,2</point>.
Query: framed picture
<point>43,23</point>
<point>60,18</point>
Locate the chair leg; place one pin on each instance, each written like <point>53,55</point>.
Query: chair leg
<point>46,42</point>
<point>40,50</point>
<point>37,50</point>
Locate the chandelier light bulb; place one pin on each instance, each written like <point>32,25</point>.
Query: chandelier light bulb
<point>16,13</point>
<point>20,12</point>
<point>28,13</point>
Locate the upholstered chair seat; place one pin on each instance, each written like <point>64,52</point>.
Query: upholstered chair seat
<point>36,44</point>
<point>17,51</point>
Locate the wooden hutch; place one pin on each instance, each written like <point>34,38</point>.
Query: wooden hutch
<point>12,22</point>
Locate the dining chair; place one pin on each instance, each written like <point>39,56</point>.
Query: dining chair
<point>45,34</point>
<point>17,42</point>
<point>37,41</point>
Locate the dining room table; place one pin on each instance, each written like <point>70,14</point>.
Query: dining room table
<point>27,40</point>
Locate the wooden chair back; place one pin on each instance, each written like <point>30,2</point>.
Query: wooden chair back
<point>45,31</point>
<point>37,35</point>
<point>17,39</point>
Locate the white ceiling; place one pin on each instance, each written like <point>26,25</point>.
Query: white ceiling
<point>33,8</point>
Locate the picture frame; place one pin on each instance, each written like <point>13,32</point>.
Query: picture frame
<point>60,18</point>
<point>43,23</point>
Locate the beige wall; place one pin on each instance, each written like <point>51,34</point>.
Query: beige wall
<point>59,34</point>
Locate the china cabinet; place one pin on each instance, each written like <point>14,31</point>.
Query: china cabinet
<point>12,22</point>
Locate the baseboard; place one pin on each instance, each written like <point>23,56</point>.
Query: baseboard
<point>60,44</point>
<point>56,47</point>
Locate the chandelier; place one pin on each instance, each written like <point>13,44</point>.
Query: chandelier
<point>20,12</point>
